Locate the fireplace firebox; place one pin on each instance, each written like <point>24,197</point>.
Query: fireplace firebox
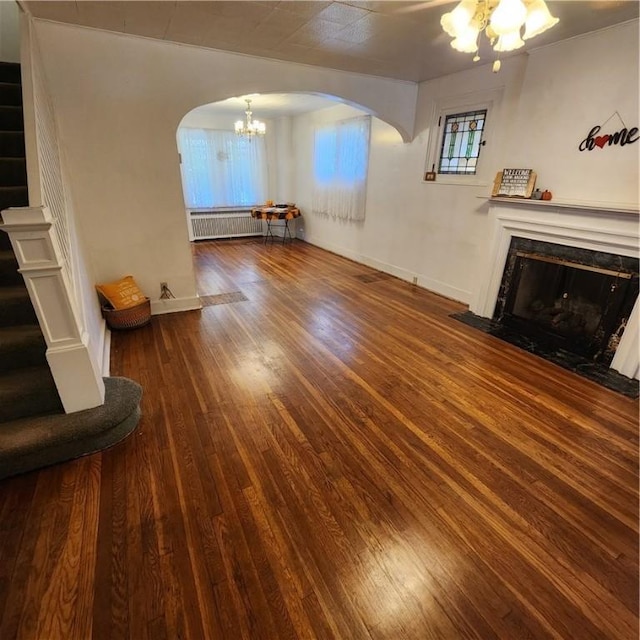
<point>567,298</point>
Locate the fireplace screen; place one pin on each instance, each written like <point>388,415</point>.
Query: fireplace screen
<point>578,299</point>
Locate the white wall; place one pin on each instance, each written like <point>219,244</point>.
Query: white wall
<point>549,101</point>
<point>49,186</point>
<point>9,31</point>
<point>120,99</point>
<point>412,228</point>
<point>569,88</point>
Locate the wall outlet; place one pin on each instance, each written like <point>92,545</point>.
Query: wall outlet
<point>415,279</point>
<point>165,292</point>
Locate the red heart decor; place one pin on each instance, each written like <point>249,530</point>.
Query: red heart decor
<point>601,140</point>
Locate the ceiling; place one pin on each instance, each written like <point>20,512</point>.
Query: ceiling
<point>397,39</point>
<point>266,105</point>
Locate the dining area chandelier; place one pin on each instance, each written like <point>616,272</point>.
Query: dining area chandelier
<point>500,20</point>
<point>250,127</point>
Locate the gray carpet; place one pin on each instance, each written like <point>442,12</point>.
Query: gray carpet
<point>37,442</point>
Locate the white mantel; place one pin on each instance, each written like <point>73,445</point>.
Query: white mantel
<point>611,229</point>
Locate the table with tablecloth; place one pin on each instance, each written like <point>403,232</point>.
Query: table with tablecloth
<point>274,214</point>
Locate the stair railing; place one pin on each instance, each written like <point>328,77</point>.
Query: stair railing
<point>35,245</point>
<point>45,249</point>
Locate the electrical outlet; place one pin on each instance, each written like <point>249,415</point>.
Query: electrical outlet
<point>165,292</point>
<point>415,279</point>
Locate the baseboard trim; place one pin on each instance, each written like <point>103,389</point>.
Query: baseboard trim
<point>106,353</point>
<point>103,349</point>
<point>423,281</point>
<point>175,305</point>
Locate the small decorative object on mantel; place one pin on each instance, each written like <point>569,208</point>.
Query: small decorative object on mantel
<point>621,137</point>
<point>546,195</point>
<point>536,195</point>
<point>514,183</point>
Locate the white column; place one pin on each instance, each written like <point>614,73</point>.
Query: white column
<point>76,375</point>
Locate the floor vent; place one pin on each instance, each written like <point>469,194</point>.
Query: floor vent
<point>367,278</point>
<point>208,226</point>
<point>223,298</point>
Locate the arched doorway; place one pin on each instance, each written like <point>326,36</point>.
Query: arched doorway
<point>218,194</point>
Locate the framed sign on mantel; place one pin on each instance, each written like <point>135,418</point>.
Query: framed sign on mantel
<point>514,183</point>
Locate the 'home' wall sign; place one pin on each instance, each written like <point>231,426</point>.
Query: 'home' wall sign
<point>621,137</point>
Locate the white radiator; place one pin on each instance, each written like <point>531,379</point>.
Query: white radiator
<point>228,224</point>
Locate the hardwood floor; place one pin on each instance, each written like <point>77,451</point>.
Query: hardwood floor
<point>333,457</point>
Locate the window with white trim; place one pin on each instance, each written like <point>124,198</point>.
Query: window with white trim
<point>461,142</point>
<point>461,132</point>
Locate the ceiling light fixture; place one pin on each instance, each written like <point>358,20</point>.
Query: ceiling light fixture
<point>501,20</point>
<point>250,127</point>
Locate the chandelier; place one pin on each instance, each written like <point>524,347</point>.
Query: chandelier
<point>501,20</point>
<point>249,127</point>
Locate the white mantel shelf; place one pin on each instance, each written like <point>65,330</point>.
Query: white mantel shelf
<point>602,207</point>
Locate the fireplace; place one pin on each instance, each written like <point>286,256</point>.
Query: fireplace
<point>567,298</point>
<point>535,252</point>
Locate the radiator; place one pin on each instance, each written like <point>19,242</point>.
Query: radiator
<point>228,224</point>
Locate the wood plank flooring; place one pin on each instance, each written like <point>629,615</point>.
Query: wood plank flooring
<point>334,458</point>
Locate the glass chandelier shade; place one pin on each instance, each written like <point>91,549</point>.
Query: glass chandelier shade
<point>467,40</point>
<point>538,19</point>
<point>250,127</point>
<point>501,21</point>
<point>508,17</point>
<point>509,42</point>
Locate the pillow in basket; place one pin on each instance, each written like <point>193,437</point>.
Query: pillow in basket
<point>121,294</point>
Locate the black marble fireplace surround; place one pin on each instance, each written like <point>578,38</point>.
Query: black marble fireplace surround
<point>566,304</point>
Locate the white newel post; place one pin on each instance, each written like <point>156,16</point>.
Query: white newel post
<point>76,375</point>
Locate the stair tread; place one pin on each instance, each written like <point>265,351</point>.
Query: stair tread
<point>20,335</point>
<point>29,376</point>
<point>13,293</point>
<point>18,385</point>
<point>15,306</point>
<point>9,273</point>
<point>21,347</point>
<point>10,71</point>
<point>7,255</point>
<point>28,392</point>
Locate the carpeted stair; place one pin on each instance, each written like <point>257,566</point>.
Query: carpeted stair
<point>26,385</point>
<point>34,430</point>
<point>32,443</point>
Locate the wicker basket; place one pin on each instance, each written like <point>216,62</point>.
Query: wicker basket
<point>129,318</point>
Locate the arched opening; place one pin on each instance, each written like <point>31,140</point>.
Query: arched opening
<point>224,176</point>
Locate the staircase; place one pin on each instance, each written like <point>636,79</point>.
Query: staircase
<point>34,429</point>
<point>26,385</point>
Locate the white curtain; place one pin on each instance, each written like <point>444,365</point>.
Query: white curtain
<point>340,165</point>
<point>221,169</point>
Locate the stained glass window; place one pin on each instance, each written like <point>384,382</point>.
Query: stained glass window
<point>461,142</point>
